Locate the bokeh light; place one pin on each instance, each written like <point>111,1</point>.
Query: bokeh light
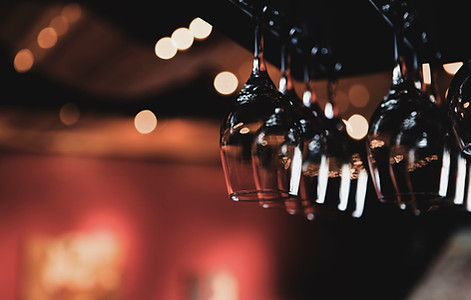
<point>69,114</point>
<point>182,38</point>
<point>165,49</point>
<point>358,95</point>
<point>225,83</point>
<point>357,126</point>
<point>145,121</point>
<point>72,12</point>
<point>200,28</point>
<point>23,61</point>
<point>60,24</point>
<point>47,38</point>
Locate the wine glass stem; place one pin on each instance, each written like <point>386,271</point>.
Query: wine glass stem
<point>406,62</point>
<point>286,83</point>
<point>258,63</point>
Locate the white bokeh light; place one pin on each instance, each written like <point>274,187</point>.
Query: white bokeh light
<point>145,121</point>
<point>357,126</point>
<point>165,49</point>
<point>225,83</point>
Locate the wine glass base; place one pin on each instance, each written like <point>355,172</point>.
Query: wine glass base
<point>261,196</point>
<point>419,203</point>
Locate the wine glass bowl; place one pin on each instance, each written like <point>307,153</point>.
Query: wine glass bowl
<point>277,155</point>
<point>332,167</point>
<point>341,193</point>
<point>260,142</point>
<point>406,146</point>
<point>459,108</point>
<point>312,136</point>
<point>238,135</point>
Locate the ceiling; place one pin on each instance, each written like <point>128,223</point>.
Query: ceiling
<point>101,60</point>
<point>105,64</point>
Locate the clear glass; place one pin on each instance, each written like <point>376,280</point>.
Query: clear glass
<point>340,192</point>
<point>260,143</point>
<point>459,108</point>
<point>313,137</point>
<point>406,141</point>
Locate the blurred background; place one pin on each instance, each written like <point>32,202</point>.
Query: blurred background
<point>110,180</point>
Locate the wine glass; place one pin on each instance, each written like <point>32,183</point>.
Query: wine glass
<point>260,144</point>
<point>406,140</point>
<point>313,138</point>
<point>342,177</point>
<point>454,163</point>
<point>459,135</point>
<point>459,108</point>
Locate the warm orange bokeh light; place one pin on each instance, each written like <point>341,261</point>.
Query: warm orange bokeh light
<point>60,24</point>
<point>72,12</point>
<point>47,38</point>
<point>359,95</point>
<point>23,61</point>
<point>69,114</point>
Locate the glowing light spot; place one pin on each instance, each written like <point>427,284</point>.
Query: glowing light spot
<point>69,114</point>
<point>145,121</point>
<point>224,286</point>
<point>359,95</point>
<point>244,130</point>
<point>23,61</point>
<point>225,83</point>
<point>200,28</point>
<point>358,127</point>
<point>466,105</point>
<point>47,38</point>
<point>182,38</point>
<point>452,68</point>
<point>165,49</point>
<point>72,12</point>
<point>79,262</point>
<point>426,73</point>
<point>60,24</point>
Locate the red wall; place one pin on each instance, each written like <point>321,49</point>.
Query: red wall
<point>175,222</point>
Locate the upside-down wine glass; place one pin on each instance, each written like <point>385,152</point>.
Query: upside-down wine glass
<point>459,106</point>
<point>313,138</point>
<point>342,175</point>
<point>458,109</point>
<point>454,161</point>
<point>260,144</point>
<point>406,140</point>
